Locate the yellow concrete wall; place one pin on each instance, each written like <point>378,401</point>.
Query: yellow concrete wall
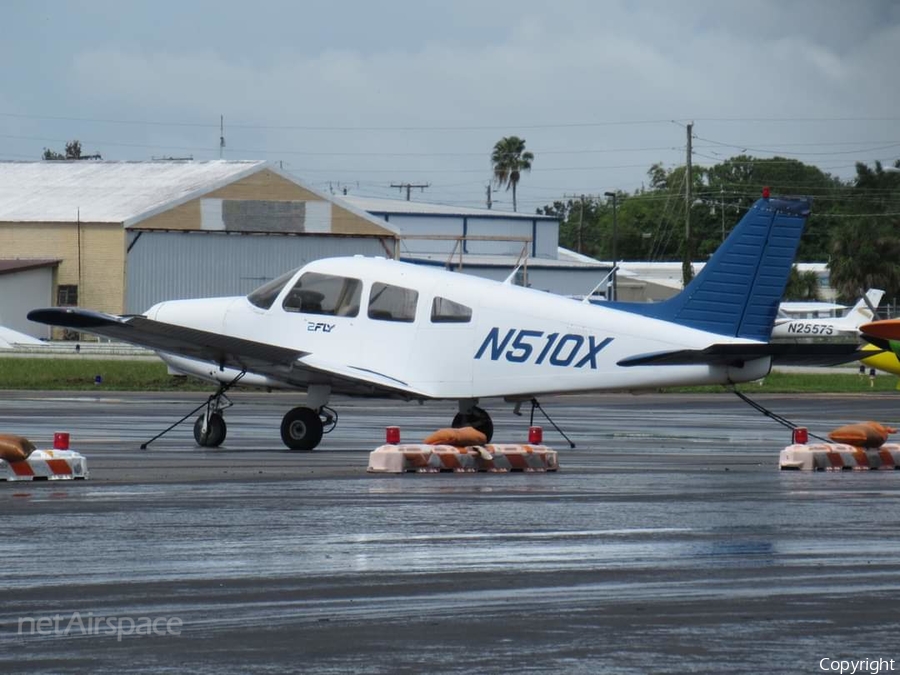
<point>263,185</point>
<point>102,282</point>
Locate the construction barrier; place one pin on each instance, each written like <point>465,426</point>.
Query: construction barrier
<point>495,458</point>
<point>46,465</point>
<point>839,457</point>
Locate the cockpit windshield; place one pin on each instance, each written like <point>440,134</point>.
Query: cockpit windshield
<point>265,295</point>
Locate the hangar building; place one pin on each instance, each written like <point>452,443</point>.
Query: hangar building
<point>487,243</point>
<point>124,235</point>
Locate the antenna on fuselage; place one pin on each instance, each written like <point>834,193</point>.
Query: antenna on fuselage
<point>605,279</point>
<point>512,274</point>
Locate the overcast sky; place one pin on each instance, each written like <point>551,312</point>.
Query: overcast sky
<point>364,93</point>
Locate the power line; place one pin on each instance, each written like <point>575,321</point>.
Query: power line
<point>505,127</point>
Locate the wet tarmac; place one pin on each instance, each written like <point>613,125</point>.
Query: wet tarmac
<point>668,543</point>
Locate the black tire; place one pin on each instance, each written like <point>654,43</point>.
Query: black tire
<point>477,418</point>
<point>215,431</point>
<point>301,429</point>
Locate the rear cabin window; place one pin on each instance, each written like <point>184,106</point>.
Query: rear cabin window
<point>326,294</point>
<point>392,303</point>
<point>265,295</point>
<point>447,311</point>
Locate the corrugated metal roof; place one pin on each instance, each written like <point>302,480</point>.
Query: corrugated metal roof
<point>8,266</point>
<point>107,192</point>
<point>567,260</point>
<point>399,206</point>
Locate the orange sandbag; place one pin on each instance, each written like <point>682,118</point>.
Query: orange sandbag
<point>15,448</point>
<point>862,434</point>
<point>461,438</point>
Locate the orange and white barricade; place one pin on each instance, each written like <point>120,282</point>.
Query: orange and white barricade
<point>496,458</point>
<point>46,465</point>
<point>839,457</point>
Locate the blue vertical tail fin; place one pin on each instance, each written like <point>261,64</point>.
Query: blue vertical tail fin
<point>738,291</point>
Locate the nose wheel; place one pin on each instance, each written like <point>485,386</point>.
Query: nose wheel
<point>210,433</point>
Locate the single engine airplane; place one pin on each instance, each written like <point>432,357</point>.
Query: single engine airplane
<point>375,327</point>
<point>848,324</point>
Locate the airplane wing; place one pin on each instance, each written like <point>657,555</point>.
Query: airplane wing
<point>729,354</point>
<point>138,330</point>
<point>290,365</point>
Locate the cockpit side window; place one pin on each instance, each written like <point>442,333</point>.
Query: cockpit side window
<point>324,294</point>
<point>265,295</point>
<point>392,303</point>
<point>447,311</point>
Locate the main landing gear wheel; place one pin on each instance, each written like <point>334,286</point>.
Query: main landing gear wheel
<point>215,431</point>
<point>302,429</point>
<point>476,417</point>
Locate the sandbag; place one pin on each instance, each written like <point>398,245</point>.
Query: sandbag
<point>461,438</point>
<point>862,434</point>
<point>15,448</point>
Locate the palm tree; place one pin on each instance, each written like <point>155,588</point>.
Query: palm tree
<point>509,159</point>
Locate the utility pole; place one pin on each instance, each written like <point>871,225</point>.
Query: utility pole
<point>580,230</point>
<point>409,186</point>
<point>221,135</point>
<point>722,207</point>
<point>615,255</point>
<point>687,273</point>
<point>489,202</point>
<point>581,223</point>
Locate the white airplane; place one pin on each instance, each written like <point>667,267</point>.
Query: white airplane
<point>862,312</point>
<point>376,327</point>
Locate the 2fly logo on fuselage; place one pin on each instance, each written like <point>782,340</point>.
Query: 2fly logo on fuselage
<point>319,327</point>
<point>535,346</point>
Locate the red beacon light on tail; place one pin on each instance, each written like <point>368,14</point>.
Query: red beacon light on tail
<point>766,192</point>
<point>801,436</point>
<point>535,435</point>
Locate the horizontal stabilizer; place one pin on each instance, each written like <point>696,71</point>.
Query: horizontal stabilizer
<point>738,354</point>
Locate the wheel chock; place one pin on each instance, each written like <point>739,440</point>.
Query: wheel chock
<point>494,458</point>
<point>46,465</point>
<point>839,457</point>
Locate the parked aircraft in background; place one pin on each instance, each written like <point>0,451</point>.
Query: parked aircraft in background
<point>9,339</point>
<point>375,327</point>
<point>884,349</point>
<point>848,325</point>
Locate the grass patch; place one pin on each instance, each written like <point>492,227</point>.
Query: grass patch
<point>142,375</point>
<point>808,383</point>
<point>80,374</point>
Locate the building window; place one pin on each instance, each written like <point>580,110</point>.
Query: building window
<point>67,295</point>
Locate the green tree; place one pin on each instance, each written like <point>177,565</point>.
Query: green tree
<point>864,256</point>
<point>73,151</point>
<point>802,286</point>
<point>509,159</point>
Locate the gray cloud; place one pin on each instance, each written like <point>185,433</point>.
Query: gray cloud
<point>529,68</point>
